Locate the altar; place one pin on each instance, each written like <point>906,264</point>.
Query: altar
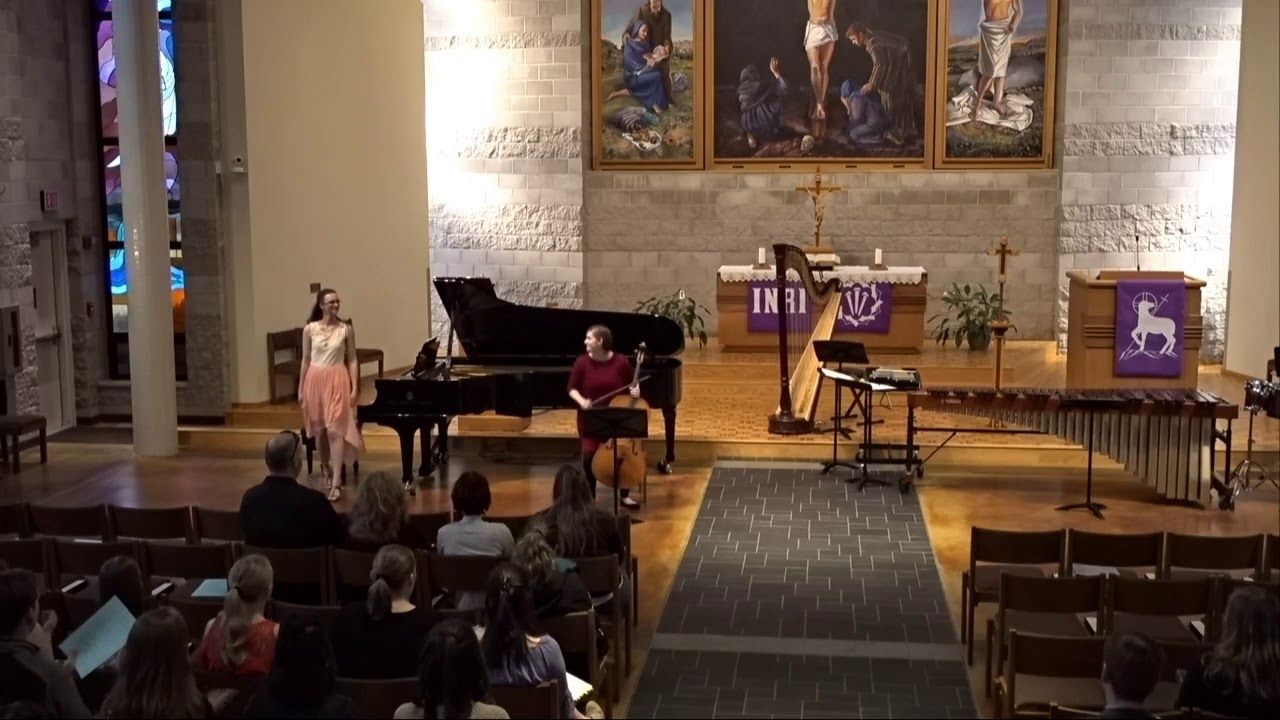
<point>881,308</point>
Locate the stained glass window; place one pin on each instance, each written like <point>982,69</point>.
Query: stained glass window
<point>114,224</point>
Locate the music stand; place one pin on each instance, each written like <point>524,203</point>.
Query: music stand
<point>613,423</point>
<point>839,352</point>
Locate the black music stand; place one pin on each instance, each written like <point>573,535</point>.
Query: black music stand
<point>1088,504</point>
<point>610,423</point>
<point>862,388</point>
<point>839,352</point>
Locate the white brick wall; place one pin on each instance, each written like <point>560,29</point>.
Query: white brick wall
<point>1149,137</point>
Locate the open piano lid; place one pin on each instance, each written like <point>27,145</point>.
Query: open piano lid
<point>493,330</point>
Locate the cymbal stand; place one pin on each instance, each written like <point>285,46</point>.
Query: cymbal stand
<point>1249,466</point>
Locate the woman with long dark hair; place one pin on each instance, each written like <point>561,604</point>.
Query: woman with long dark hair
<point>154,677</point>
<point>328,387</point>
<point>1240,677</point>
<point>303,680</point>
<point>452,678</point>
<point>514,655</point>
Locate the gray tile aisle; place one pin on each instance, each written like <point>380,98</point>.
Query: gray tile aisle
<point>800,597</point>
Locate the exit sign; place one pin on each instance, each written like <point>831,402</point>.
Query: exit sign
<point>48,200</point>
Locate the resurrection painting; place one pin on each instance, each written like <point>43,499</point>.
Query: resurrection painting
<point>645,73</point>
<point>996,82</point>
<point>817,80</point>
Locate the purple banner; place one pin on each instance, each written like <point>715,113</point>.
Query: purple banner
<point>864,307</point>
<point>1150,316</point>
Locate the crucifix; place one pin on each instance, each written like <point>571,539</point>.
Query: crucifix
<point>816,191</point>
<point>1000,325</point>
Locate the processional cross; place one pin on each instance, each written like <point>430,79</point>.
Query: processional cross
<point>1000,325</point>
<point>816,191</point>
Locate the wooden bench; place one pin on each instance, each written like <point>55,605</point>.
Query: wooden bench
<point>12,428</point>
<point>290,341</point>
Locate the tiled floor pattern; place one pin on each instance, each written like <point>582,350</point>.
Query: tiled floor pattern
<point>800,597</point>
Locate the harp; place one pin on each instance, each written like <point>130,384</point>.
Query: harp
<point>810,315</point>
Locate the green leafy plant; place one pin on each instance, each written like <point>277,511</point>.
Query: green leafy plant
<point>683,310</point>
<point>969,316</point>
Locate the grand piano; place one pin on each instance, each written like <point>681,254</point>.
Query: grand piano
<point>516,358</point>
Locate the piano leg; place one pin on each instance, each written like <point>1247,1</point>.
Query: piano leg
<point>426,467</point>
<point>406,455</point>
<point>669,429</point>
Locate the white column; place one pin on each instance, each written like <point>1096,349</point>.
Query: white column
<point>146,217</point>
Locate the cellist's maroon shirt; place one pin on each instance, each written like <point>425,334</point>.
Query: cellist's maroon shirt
<point>593,379</point>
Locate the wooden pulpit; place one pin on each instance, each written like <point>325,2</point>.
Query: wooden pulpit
<point>1092,337</point>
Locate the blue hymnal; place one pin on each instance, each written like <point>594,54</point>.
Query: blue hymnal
<point>100,637</point>
<point>211,588</point>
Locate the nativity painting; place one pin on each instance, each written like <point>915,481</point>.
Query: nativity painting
<point>647,84</point>
<point>816,80</point>
<point>997,80</point>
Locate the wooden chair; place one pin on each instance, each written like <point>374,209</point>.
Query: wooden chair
<point>188,562</point>
<point>537,701</point>
<point>73,560</point>
<point>1060,711</point>
<point>13,521</point>
<point>284,341</point>
<point>298,572</point>
<point>229,693</point>
<point>1004,551</point>
<point>1040,605</point>
<point>1271,566</point>
<point>85,521</point>
<point>151,523</point>
<point>1156,607</point>
<point>633,563</point>
<point>197,612</point>
<point>367,355</point>
<point>601,576</point>
<point>1178,656</point>
<point>575,633</point>
<point>28,554</point>
<point>515,524</point>
<point>12,428</point>
<point>1043,670</point>
<point>351,570</point>
<point>1123,552</point>
<point>1197,555</point>
<point>323,615</point>
<point>453,574</point>
<point>217,525</point>
<point>428,525</point>
<point>378,699</point>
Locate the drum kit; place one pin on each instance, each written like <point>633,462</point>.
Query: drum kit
<point>1259,396</point>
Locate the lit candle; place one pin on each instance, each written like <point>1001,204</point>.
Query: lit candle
<point>879,259</point>
<point>760,261</point>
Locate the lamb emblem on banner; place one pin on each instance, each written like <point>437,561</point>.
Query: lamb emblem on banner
<point>861,305</point>
<point>1145,306</point>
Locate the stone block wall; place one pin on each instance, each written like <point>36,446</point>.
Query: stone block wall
<point>505,146</point>
<point>1148,142</point>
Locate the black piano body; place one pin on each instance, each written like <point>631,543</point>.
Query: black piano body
<point>517,358</point>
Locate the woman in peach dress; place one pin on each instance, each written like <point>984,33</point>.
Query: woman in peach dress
<point>328,388</point>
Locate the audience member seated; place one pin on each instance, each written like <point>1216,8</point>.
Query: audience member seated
<point>154,678</point>
<point>120,577</point>
<point>1131,666</point>
<point>302,680</point>
<point>382,637</point>
<point>452,677</point>
<point>381,516</point>
<point>29,674</point>
<point>556,592</point>
<point>280,513</point>
<point>241,639</point>
<point>514,655</point>
<point>1241,676</point>
<point>472,534</point>
<point>576,528</point>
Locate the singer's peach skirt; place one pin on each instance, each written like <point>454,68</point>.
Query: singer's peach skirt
<point>326,406</point>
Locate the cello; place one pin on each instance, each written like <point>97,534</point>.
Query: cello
<point>632,461</point>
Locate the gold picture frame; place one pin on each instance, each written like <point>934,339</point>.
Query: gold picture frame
<point>631,126</point>
<point>919,16</point>
<point>998,139</point>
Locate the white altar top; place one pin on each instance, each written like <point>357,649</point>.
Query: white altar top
<point>846,273</point>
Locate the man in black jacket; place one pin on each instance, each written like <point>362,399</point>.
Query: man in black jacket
<point>280,513</point>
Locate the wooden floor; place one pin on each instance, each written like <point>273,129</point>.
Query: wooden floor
<point>728,397</point>
<point>1014,490</point>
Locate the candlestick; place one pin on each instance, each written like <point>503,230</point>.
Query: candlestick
<point>879,259</point>
<point>760,260</point>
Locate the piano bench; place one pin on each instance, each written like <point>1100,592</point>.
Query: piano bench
<point>368,355</point>
<point>309,443</point>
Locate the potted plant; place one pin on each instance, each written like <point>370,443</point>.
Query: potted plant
<point>684,310</point>
<point>969,316</point>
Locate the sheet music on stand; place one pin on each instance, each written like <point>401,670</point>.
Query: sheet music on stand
<point>838,376</point>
